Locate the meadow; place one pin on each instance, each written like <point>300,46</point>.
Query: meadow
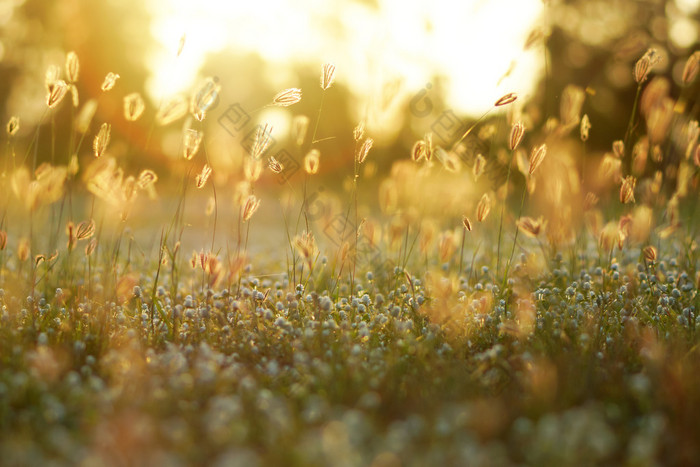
<point>510,298</point>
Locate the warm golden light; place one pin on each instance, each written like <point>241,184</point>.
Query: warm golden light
<point>475,46</point>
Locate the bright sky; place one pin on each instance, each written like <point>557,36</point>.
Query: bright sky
<point>472,43</point>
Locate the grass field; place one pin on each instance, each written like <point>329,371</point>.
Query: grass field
<point>514,297</point>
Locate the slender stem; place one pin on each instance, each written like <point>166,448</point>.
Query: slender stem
<point>503,208</point>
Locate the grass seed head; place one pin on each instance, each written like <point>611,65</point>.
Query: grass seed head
<point>72,67</point>
<point>3,240</point>
<point>249,207</point>
<point>479,166</point>
<point>191,141</point>
<point>204,97</point>
<point>650,253</point>
<point>300,125</point>
<point>133,106</point>
<point>173,110</point>
<point>203,176</point>
<point>537,157</point>
<point>99,144</point>
<point>466,223</point>
<point>690,70</point>
<point>56,92</point>
<point>364,150</point>
<point>483,208</point>
<point>274,165</point>
<point>287,97</point>
<point>311,161</point>
<point>263,138</point>
<point>85,230</point>
<point>252,169</point>
<point>516,135</point>
<point>627,189</point>
<point>109,81</point>
<point>507,99</point>
<point>327,75</point>
<point>618,148</point>
<point>359,132</point>
<point>12,126</point>
<point>146,179</point>
<point>571,103</point>
<point>585,127</point>
<point>531,227</point>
